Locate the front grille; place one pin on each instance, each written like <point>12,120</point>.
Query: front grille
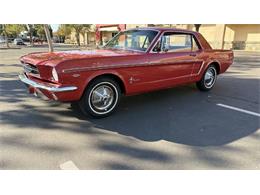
<point>29,68</point>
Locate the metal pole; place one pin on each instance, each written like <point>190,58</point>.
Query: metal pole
<point>48,36</point>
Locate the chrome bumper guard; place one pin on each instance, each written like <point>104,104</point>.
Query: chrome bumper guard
<point>34,84</point>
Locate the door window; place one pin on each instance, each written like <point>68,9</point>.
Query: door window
<point>176,42</point>
<point>195,46</point>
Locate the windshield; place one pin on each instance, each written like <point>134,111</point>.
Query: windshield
<point>138,40</point>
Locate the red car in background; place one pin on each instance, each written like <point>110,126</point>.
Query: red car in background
<point>134,61</point>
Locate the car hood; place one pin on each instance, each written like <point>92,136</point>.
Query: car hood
<point>53,58</point>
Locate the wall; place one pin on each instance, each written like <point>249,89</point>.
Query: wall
<point>229,36</point>
<point>89,37</point>
<point>209,32</point>
<point>245,37</point>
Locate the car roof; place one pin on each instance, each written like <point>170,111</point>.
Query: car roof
<point>163,29</point>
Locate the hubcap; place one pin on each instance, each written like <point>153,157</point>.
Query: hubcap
<point>102,97</point>
<point>209,78</point>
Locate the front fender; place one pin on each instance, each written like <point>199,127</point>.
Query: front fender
<point>98,73</point>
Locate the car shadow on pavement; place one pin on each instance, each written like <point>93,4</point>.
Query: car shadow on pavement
<point>184,115</point>
<point>180,115</point>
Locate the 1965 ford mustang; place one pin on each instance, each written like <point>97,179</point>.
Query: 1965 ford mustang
<point>134,61</point>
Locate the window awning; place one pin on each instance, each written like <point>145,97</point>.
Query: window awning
<point>109,29</point>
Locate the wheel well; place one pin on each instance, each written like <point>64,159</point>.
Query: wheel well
<point>216,64</point>
<point>114,77</point>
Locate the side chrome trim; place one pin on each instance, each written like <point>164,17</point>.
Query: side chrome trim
<point>201,67</point>
<point>101,67</point>
<point>37,85</point>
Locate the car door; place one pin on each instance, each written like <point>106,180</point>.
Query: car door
<point>173,59</point>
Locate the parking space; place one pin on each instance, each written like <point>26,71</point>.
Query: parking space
<point>180,128</point>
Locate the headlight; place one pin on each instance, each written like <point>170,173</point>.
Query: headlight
<point>55,74</point>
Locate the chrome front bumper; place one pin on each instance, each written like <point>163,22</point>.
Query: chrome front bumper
<point>34,84</point>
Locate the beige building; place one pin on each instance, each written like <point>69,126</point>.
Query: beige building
<point>231,36</point>
<point>87,39</point>
<point>227,36</point>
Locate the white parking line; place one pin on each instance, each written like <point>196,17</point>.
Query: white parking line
<point>239,109</point>
<point>69,165</point>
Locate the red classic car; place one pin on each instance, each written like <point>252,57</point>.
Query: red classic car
<point>134,61</point>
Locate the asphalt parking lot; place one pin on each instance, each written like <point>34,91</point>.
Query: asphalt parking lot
<point>180,128</point>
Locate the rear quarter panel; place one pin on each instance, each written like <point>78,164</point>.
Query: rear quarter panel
<point>206,57</point>
<point>224,57</point>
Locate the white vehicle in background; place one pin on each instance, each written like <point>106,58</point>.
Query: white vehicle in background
<point>2,40</point>
<point>18,41</point>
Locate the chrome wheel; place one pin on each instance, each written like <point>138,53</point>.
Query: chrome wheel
<point>103,98</point>
<point>210,77</point>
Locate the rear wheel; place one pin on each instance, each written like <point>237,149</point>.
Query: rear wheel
<point>101,98</point>
<point>208,80</point>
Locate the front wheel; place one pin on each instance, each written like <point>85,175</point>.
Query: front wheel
<point>208,80</point>
<point>101,98</point>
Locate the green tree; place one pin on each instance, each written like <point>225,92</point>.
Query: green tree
<point>4,33</point>
<point>64,30</point>
<point>51,31</point>
<point>39,31</point>
<point>11,31</point>
<point>31,30</point>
